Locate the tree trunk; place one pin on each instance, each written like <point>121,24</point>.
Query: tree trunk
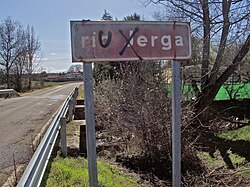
<point>206,44</point>
<point>209,93</point>
<point>19,82</point>
<point>29,82</point>
<point>8,78</point>
<point>225,30</point>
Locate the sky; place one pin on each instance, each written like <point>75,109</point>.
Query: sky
<point>51,18</point>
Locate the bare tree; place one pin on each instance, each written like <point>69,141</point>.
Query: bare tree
<point>33,46</point>
<point>75,68</point>
<point>10,45</point>
<point>18,68</point>
<point>1,77</point>
<point>218,23</point>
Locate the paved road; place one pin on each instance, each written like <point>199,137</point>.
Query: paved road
<point>21,119</point>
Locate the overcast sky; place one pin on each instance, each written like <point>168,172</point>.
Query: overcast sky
<point>51,18</point>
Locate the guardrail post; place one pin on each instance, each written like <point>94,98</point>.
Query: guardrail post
<point>76,92</point>
<point>63,136</point>
<point>71,108</point>
<point>75,98</point>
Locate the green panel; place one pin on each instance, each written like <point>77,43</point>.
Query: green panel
<point>238,91</point>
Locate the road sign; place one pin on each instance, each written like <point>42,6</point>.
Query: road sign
<point>123,41</point>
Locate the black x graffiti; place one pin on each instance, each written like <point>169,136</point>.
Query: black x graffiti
<point>128,43</point>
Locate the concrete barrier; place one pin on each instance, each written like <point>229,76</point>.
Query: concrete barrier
<point>80,102</point>
<point>79,112</point>
<point>8,93</point>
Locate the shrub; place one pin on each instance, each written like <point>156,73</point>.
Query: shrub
<point>136,109</point>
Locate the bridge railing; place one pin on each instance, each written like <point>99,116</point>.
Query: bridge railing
<point>33,173</point>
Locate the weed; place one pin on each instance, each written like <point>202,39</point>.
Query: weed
<point>74,172</point>
<point>239,134</point>
<point>81,92</point>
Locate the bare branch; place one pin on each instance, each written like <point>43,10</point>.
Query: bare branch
<point>235,63</point>
<point>225,9</point>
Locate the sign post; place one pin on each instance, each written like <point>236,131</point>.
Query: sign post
<point>176,124</point>
<point>96,41</point>
<point>90,124</point>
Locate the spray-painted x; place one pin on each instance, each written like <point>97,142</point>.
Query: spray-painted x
<point>128,43</point>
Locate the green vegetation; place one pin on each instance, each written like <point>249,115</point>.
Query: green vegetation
<point>212,162</point>
<point>239,134</point>
<point>240,91</point>
<point>35,84</point>
<point>237,91</point>
<point>73,172</point>
<point>217,161</point>
<point>245,171</point>
<point>80,92</point>
<point>236,159</point>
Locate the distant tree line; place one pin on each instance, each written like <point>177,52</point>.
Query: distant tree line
<point>19,54</point>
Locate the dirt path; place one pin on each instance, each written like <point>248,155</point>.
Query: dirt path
<point>21,119</point>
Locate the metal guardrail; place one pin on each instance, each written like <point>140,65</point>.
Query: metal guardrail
<point>33,174</point>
